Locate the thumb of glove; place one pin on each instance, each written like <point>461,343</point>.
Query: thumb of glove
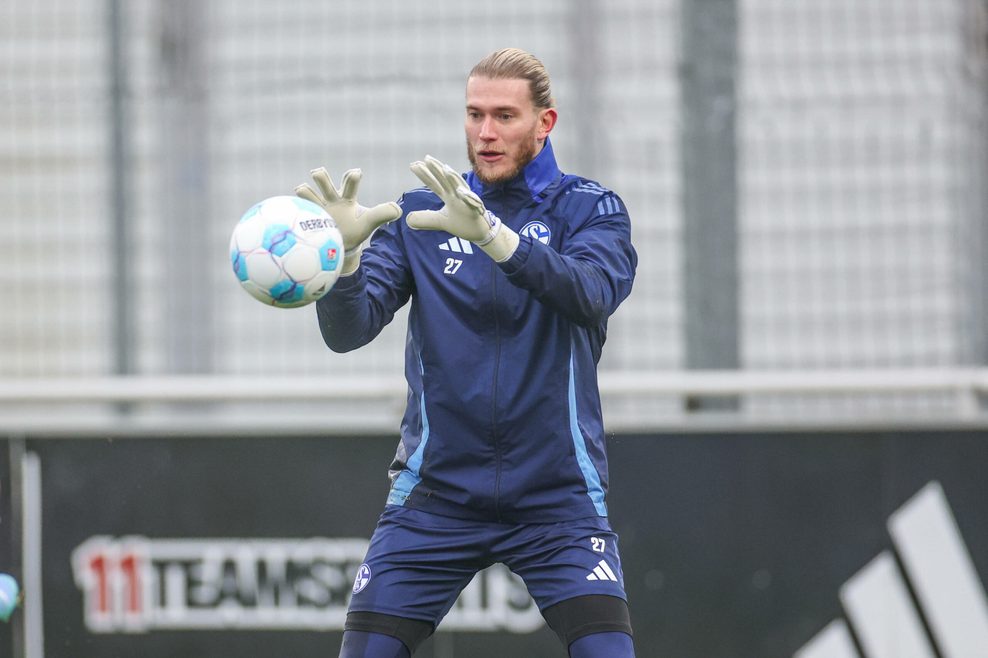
<point>426,220</point>
<point>381,214</point>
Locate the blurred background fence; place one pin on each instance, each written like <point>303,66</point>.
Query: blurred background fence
<point>805,349</point>
<point>808,181</point>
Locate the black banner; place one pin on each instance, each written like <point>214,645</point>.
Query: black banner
<point>732,544</point>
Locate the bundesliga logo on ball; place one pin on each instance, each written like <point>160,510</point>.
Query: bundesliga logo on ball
<point>286,251</point>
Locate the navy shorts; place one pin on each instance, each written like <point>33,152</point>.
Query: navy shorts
<point>418,562</point>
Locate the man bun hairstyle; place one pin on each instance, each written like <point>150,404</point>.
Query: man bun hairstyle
<point>516,64</point>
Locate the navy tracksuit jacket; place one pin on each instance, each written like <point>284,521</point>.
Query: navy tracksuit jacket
<point>503,421</point>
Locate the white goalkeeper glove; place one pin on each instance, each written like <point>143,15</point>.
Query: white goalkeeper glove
<point>355,222</point>
<point>464,214</point>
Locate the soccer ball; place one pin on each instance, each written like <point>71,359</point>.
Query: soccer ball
<point>286,251</point>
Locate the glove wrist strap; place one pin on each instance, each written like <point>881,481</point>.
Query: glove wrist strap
<point>351,261</point>
<point>502,245</point>
<point>494,227</point>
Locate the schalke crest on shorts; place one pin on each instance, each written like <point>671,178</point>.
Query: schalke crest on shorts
<point>362,578</point>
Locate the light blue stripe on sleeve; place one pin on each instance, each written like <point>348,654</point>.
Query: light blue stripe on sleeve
<point>590,475</point>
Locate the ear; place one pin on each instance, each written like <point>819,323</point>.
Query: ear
<point>547,121</point>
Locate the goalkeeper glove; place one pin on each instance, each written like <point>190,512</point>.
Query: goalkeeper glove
<point>355,222</point>
<point>464,214</point>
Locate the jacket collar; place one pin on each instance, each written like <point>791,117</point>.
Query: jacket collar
<point>537,175</point>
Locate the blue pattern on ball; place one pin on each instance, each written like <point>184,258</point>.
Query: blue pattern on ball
<point>286,291</point>
<point>239,264</point>
<point>278,239</point>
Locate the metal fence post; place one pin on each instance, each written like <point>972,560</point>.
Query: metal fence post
<point>184,191</point>
<point>119,129</point>
<point>710,233</point>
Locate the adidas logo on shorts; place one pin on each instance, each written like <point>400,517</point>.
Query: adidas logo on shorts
<point>602,572</point>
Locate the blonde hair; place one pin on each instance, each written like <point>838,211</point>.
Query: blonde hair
<point>516,64</point>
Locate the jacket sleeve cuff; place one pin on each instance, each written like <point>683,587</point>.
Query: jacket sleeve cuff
<point>345,283</point>
<point>518,259</point>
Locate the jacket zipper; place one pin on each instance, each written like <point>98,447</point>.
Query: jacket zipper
<point>497,367</point>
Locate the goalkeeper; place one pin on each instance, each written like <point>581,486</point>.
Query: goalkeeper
<point>512,272</point>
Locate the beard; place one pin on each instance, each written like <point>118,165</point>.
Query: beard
<point>529,148</point>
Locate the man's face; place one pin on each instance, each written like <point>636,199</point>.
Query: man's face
<point>505,131</point>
